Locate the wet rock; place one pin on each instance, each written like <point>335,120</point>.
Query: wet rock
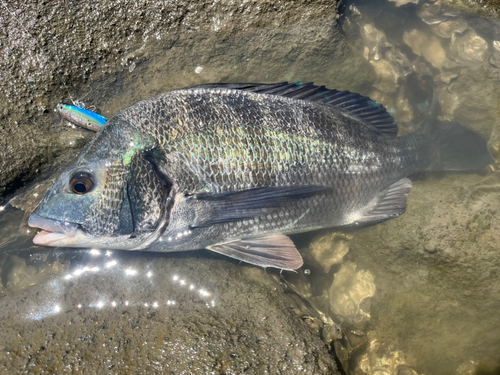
<point>380,359</point>
<point>87,52</point>
<point>429,47</point>
<point>446,77</point>
<point>389,63</point>
<point>422,296</point>
<point>329,249</point>
<point>448,28</point>
<point>422,68</point>
<point>404,2</point>
<point>300,284</point>
<point>404,112</point>
<point>350,288</point>
<point>448,102</point>
<point>158,314</point>
<point>494,147</point>
<point>471,100</point>
<point>468,47</point>
<point>18,275</point>
<point>434,12</point>
<point>495,57</point>
<point>355,339</point>
<point>467,368</point>
<point>342,355</point>
<point>483,8</point>
<point>387,76</point>
<point>374,41</point>
<point>405,370</point>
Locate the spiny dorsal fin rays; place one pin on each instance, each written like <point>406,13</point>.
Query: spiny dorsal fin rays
<point>356,105</point>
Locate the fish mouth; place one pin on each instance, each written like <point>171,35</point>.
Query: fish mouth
<point>54,232</point>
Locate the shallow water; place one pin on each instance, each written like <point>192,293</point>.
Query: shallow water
<point>419,294</point>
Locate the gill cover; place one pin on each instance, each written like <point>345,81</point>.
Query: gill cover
<point>148,194</point>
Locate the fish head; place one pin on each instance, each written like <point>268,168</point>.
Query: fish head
<point>111,196</point>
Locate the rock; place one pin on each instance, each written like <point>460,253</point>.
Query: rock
<point>404,2</point>
<point>329,249</point>
<point>448,28</point>
<point>383,359</point>
<point>387,76</point>
<point>446,77</point>
<point>485,8</point>
<point>471,99</point>
<point>468,47</point>
<point>342,355</point>
<point>374,41</point>
<point>467,368</point>
<point>494,147</point>
<point>350,288</point>
<point>423,296</point>
<point>429,47</point>
<point>431,13</point>
<point>495,56</point>
<point>18,275</point>
<point>157,314</point>
<point>87,52</point>
<point>404,112</point>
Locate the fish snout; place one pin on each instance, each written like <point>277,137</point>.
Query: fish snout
<point>51,225</point>
<point>52,230</point>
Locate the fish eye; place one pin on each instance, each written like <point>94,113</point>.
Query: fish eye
<point>81,183</point>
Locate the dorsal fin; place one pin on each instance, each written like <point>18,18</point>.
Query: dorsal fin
<point>356,105</point>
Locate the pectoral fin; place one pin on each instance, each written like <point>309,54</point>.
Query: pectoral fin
<point>276,251</point>
<point>240,205</point>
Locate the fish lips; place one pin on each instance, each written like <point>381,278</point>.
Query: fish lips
<point>52,230</point>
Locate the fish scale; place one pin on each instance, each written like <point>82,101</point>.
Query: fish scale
<point>275,131</point>
<point>289,142</point>
<point>234,168</point>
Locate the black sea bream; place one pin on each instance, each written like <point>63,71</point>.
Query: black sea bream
<point>234,168</point>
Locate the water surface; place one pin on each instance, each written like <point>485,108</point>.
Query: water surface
<point>419,294</point>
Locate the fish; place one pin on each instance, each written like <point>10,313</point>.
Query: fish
<point>237,168</point>
<point>82,117</point>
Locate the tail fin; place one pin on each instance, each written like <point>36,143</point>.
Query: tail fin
<point>455,148</point>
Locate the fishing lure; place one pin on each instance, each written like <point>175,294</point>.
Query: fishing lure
<point>81,116</point>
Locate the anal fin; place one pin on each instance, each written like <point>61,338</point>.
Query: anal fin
<point>276,251</point>
<point>391,203</point>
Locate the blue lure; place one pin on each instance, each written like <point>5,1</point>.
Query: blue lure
<point>81,117</point>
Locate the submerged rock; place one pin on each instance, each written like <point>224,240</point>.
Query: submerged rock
<point>380,359</point>
<point>17,274</point>
<point>428,46</point>
<point>468,47</point>
<point>329,249</point>
<point>144,315</point>
<point>349,290</point>
<point>472,99</point>
<point>436,269</point>
<point>430,12</point>
<point>448,28</point>
<point>404,2</point>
